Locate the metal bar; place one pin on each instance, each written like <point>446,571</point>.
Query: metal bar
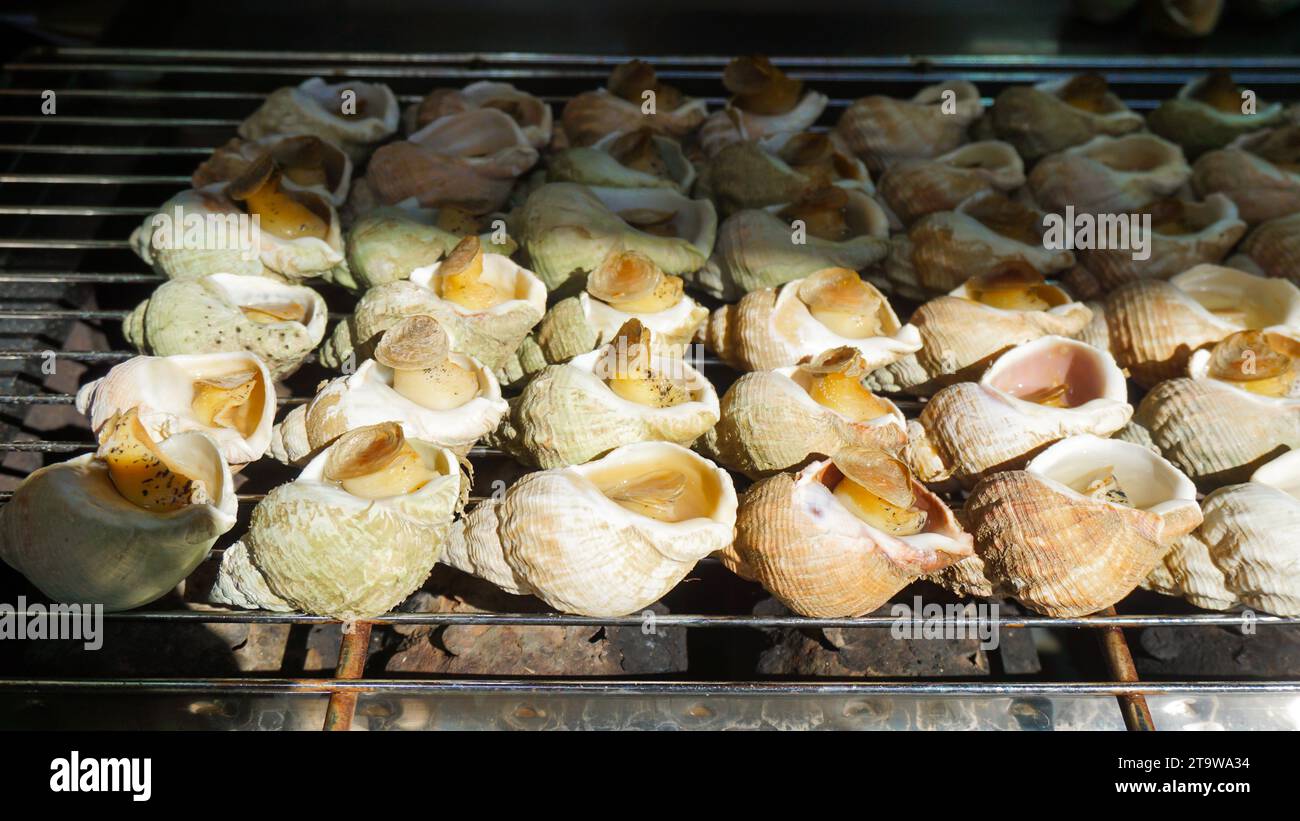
<point>98,179</point>
<point>113,150</point>
<point>138,122</point>
<point>72,210</point>
<point>76,277</point>
<point>70,313</point>
<point>641,688</point>
<point>67,244</point>
<point>351,666</point>
<point>79,356</point>
<point>1119,661</point>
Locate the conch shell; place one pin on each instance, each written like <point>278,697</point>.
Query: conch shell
<point>832,308</point>
<point>468,160</point>
<point>1274,248</point>
<point>487,307</point>
<point>963,331</point>
<point>805,538</point>
<point>606,538</point>
<point>637,159</point>
<point>987,231</point>
<point>1035,394</point>
<point>1079,528</point>
<point>765,102</point>
<point>624,392</point>
<point>779,169</point>
<point>1183,234</point>
<point>1052,116</point>
<point>356,533</point>
<point>230,241</point>
<point>567,229</point>
<point>914,188</point>
<point>627,285</point>
<point>1238,407</point>
<point>1245,552</point>
<point>1152,326</point>
<point>353,115</point>
<point>1208,113</point>
<point>762,249</point>
<point>228,396</point>
<point>77,537</point>
<point>1259,172</point>
<point>882,130</point>
<point>387,244</point>
<point>447,399</point>
<point>626,105</point>
<point>1109,175</point>
<point>531,114</point>
<point>309,164</point>
<point>281,324</point>
<point>775,420</point>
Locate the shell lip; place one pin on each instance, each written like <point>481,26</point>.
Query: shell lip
<point>194,450</point>
<point>372,373</point>
<point>437,458</point>
<point>210,196</point>
<point>1270,291</point>
<point>1282,472</point>
<point>1172,154</point>
<point>1119,110</point>
<point>687,211</point>
<point>607,319</point>
<point>1191,86</point>
<point>804,113</point>
<point>1070,306</point>
<point>1138,466</point>
<point>1113,388</point>
<point>701,389</point>
<point>687,104</point>
<point>799,380</point>
<point>1198,367</point>
<point>812,337</point>
<point>870,215</point>
<point>493,119</point>
<point>235,289</point>
<point>529,288</point>
<point>683,175</point>
<point>1216,211</point>
<point>315,89</point>
<point>960,220</point>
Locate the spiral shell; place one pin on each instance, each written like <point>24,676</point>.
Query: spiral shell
<point>387,244</point>
<point>1260,189</point>
<point>1038,121</point>
<point>316,108</point>
<point>1199,127</point>
<point>530,113</point>
<point>733,125</point>
<point>882,130</point>
<point>752,174</point>
<point>595,114</point>
<point>595,165</point>
<point>1274,247</point>
<point>914,188</point>
<point>1109,175</point>
<point>231,159</point>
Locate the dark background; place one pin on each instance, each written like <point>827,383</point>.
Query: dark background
<point>646,27</point>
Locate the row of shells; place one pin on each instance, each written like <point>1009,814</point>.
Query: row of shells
<point>1091,420</point>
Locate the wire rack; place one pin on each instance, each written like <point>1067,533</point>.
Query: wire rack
<point>128,129</point>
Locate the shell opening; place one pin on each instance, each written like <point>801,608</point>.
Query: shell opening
<point>632,283</point>
<point>760,87</point>
<point>377,462</point>
<point>1003,215</point>
<point>834,380</point>
<point>823,211</point>
<point>1131,154</point>
<point>1104,468</point>
<point>839,299</point>
<point>271,312</point>
<point>416,349</point>
<point>1219,92</point>
<point>637,150</point>
<point>632,371</point>
<point>667,488</point>
<point>878,489</point>
<point>1223,295</point>
<point>307,161</point>
<point>1058,375</point>
<point>142,472</point>
<point>461,278</point>
<point>281,213</point>
<point>1015,286</point>
<point>1086,92</point>
<point>234,401</point>
<point>1264,363</point>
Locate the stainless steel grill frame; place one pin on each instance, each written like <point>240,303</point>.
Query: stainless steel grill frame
<point>63,220</point>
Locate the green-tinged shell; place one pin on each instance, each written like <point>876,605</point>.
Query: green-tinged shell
<point>318,549</point>
<point>567,230</point>
<point>314,107</point>
<point>387,244</point>
<point>567,415</point>
<point>70,532</point>
<point>756,249</point>
<point>1038,122</point>
<point>1199,127</point>
<point>204,315</point>
<point>750,175</point>
<point>770,423</point>
<point>596,166</point>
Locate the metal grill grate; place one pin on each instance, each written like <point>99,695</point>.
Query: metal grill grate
<point>130,127</point>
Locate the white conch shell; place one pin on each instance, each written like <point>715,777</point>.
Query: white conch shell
<point>1214,430</point>
<point>1274,248</point>
<point>367,397</point>
<point>69,531</point>
<point>578,324</point>
<point>1199,127</point>
<point>161,390</point>
<point>773,328</point>
<point>225,246</point>
<point>313,547</point>
<point>387,244</point>
<point>1109,175</point>
<point>1037,121</point>
<point>1260,189</point>
<point>204,315</point>
<point>1246,551</point>
<point>944,249</point>
<point>315,107</point>
<point>757,249</point>
<point>1215,229</point>
<point>732,125</point>
<point>882,130</point>
<point>1066,554</point>
<point>1154,325</point>
<point>769,423</point>
<point>820,560</point>
<point>753,174</point>
<point>594,165</point>
<point>970,429</point>
<point>960,337</point>
<point>231,159</point>
<point>595,114</point>
<point>555,535</point>
<point>469,160</point>
<point>490,335</point>
<point>917,187</point>
<point>567,415</point>
<point>568,229</point>
<point>531,113</point>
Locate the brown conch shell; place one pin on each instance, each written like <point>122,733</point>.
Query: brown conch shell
<point>1109,175</point>
<point>1052,116</point>
<point>532,114</point>
<point>308,164</point>
<point>942,250</point>
<point>1042,537</point>
<point>882,130</point>
<point>1274,247</point>
<point>915,188</point>
<point>778,170</point>
<point>1032,396</point>
<point>1152,326</point>
<point>1260,172</point>
<point>765,102</point>
<point>622,107</point>
<point>353,115</point>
